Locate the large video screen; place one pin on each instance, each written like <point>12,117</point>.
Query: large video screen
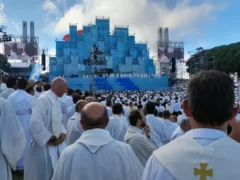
<point>165,54</point>
<point>21,51</point>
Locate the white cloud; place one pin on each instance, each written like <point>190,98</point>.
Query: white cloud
<point>142,16</point>
<point>52,15</point>
<point>50,7</point>
<point>52,52</point>
<point>2,14</point>
<point>17,25</point>
<point>61,1</point>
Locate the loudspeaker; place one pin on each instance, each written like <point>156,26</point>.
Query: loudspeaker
<point>44,60</point>
<point>173,64</point>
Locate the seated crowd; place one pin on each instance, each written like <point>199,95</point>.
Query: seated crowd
<point>188,132</point>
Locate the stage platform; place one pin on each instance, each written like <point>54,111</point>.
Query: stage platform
<point>118,84</point>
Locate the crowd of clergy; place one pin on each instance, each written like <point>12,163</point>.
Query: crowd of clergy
<point>48,131</point>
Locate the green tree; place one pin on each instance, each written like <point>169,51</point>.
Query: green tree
<point>4,64</point>
<point>226,58</point>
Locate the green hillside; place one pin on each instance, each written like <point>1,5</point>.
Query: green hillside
<point>226,58</point>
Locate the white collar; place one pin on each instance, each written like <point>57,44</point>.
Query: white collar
<point>76,115</point>
<point>19,95</point>
<point>10,89</point>
<point>150,115</point>
<point>206,133</point>
<point>134,129</point>
<point>21,90</point>
<point>95,138</point>
<point>117,116</point>
<point>51,93</point>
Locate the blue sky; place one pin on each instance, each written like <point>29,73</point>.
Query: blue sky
<point>206,23</point>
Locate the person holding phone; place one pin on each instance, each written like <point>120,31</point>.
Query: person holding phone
<point>141,144</point>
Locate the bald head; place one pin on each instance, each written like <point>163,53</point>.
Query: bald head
<point>59,86</point>
<point>79,105</point>
<point>173,118</point>
<point>91,99</point>
<point>31,82</point>
<point>94,115</point>
<point>185,125</point>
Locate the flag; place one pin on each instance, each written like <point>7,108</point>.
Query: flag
<point>36,71</point>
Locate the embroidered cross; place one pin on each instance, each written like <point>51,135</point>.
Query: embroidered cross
<point>203,172</point>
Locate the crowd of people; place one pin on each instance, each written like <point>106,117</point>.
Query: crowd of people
<point>49,131</point>
<point>116,75</point>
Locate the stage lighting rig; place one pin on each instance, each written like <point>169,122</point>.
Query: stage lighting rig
<point>200,60</point>
<point>4,37</point>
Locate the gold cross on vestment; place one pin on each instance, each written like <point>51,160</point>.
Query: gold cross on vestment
<point>203,172</point>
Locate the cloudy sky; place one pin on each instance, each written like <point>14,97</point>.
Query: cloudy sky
<point>205,23</point>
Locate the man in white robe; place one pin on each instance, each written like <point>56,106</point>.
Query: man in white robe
<point>2,84</point>
<point>170,127</point>
<point>158,134</point>
<point>210,153</point>
<point>38,89</point>
<point>180,118</point>
<point>22,104</point>
<point>12,140</point>
<point>182,129</point>
<point>74,129</point>
<point>109,107</point>
<point>71,109</point>
<point>65,102</point>
<point>141,144</point>
<point>177,106</point>
<point>11,85</point>
<point>117,125</point>
<point>96,155</point>
<point>48,133</point>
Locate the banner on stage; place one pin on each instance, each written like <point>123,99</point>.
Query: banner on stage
<point>36,71</point>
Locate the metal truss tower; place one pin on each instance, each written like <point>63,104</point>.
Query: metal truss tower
<point>200,60</point>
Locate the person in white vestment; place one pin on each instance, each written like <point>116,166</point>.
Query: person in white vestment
<point>141,144</point>
<point>12,140</point>
<point>181,117</point>
<point>48,133</point>
<point>109,107</point>
<point>170,127</point>
<point>30,90</point>
<point>46,87</point>
<point>96,155</point>
<point>169,106</point>
<point>182,129</point>
<point>65,102</point>
<point>38,89</point>
<point>31,82</point>
<point>210,153</point>
<point>177,106</point>
<point>74,129</point>
<point>161,108</point>
<point>22,104</point>
<point>117,125</point>
<point>2,84</point>
<point>173,118</point>
<point>71,110</point>
<point>11,85</point>
<point>158,134</point>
